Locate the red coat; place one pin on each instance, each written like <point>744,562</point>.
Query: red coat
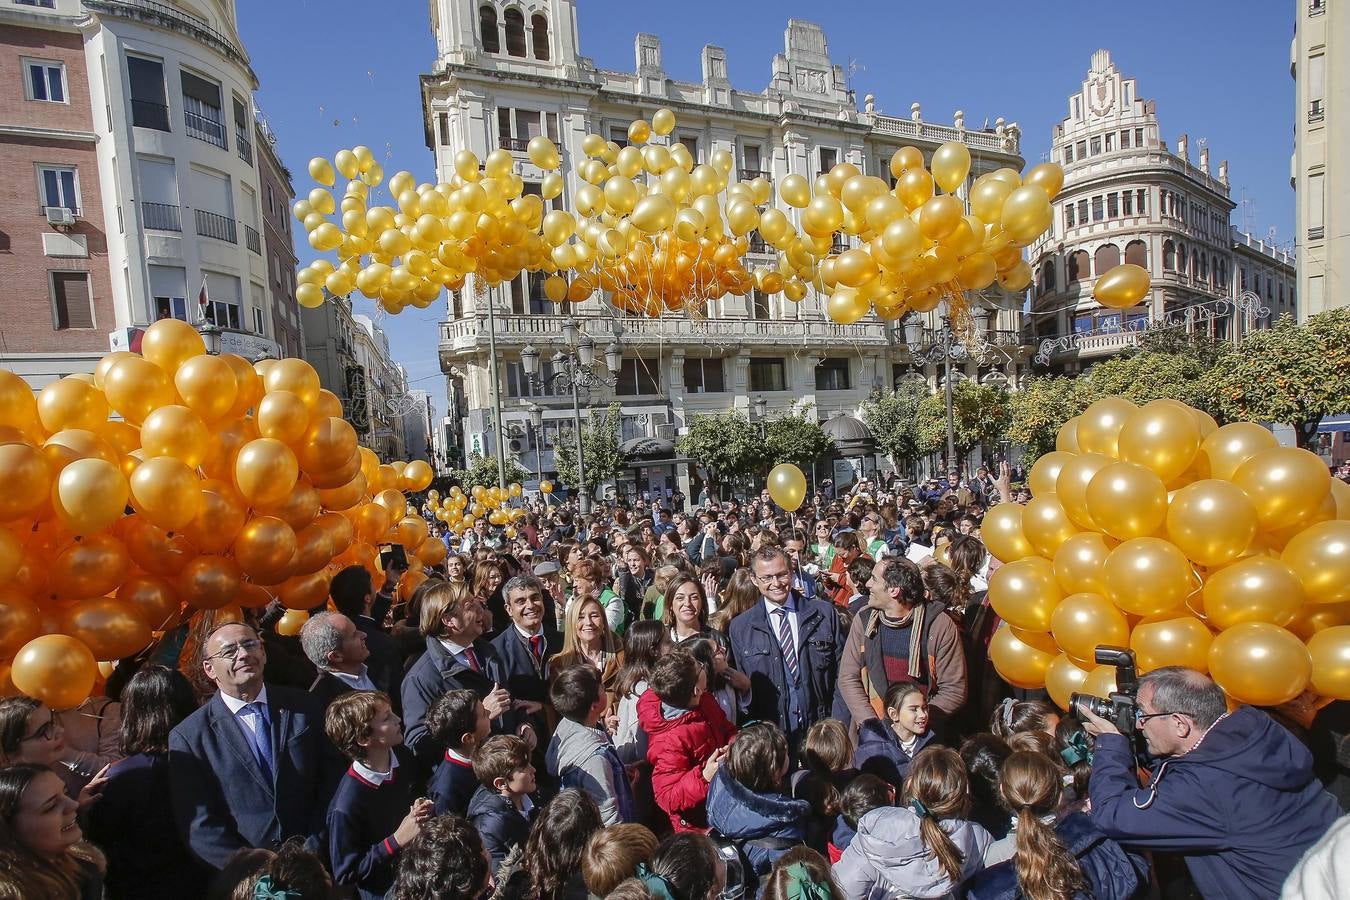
<point>678,749</point>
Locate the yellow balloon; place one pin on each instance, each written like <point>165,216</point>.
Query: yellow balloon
<point>1045,524</point>
<point>168,342</point>
<point>1320,557</point>
<point>1171,639</point>
<point>1072,483</point>
<point>1255,589</point>
<point>56,669</point>
<point>135,387</point>
<point>1027,213</point>
<point>1126,500</point>
<point>1022,662</point>
<point>1147,576</point>
<point>71,403</point>
<point>1232,445</point>
<point>1100,681</point>
<point>787,486</point>
<point>939,216</point>
<point>950,165</point>
<point>795,191</point>
<point>1024,593</point>
<point>1260,664</point>
<point>1079,561</point>
<point>166,491</point>
<point>178,432</point>
<point>1286,484</point>
<point>208,386</point>
<point>1064,677</point>
<point>1066,439</point>
<point>1163,435</point>
<point>846,306</point>
<point>265,471</point>
<point>543,153</point>
<point>1330,652</point>
<point>1082,622</point>
<point>1045,471</point>
<point>1211,521</point>
<point>1099,429</point>
<point>1002,533</point>
<point>1049,176</point>
<point>1122,286</point>
<point>90,495</point>
<point>663,121</point>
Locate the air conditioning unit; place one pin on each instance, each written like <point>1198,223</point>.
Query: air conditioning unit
<point>515,445</point>
<point>59,216</point>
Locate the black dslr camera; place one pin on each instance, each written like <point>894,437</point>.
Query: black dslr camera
<point>1119,708</point>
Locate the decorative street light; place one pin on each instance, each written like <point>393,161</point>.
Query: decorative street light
<point>575,371</point>
<point>537,423</point>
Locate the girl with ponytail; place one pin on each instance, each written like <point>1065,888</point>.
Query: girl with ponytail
<point>924,847</point>
<point>1045,859</point>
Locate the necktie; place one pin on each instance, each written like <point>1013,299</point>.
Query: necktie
<point>472,658</point>
<point>261,736</point>
<point>537,646</point>
<point>787,645</point>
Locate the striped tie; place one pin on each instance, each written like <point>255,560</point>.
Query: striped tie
<point>786,644</point>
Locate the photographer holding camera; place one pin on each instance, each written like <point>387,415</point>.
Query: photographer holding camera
<point>1234,793</point>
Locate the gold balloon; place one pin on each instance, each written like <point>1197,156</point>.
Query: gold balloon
<point>56,669</point>
<point>1066,439</point>
<point>90,494</point>
<point>543,153</point>
<point>265,472</point>
<point>1002,533</point>
<point>154,549</point>
<point>71,403</point>
<point>11,557</point>
<point>1320,557</point>
<point>1163,436</point>
<point>546,487</point>
<point>846,306</point>
<point>292,621</point>
<point>207,386</point>
<point>264,548</point>
<point>663,121</point>
<point>152,599</point>
<point>1079,561</point>
<point>1026,213</point>
<point>28,480</point>
<point>1045,472</point>
<point>1315,617</point>
<point>1171,639</point>
<point>18,406</point>
<point>1260,664</point>
<point>1122,286</point>
<point>20,621</point>
<point>1285,484</point>
<point>1211,521</point>
<point>1146,576</point>
<point>1330,652</point>
<point>329,443</point>
<point>1255,589</point>
<point>136,387</point>
<point>89,567</point>
<point>418,476</point>
<point>178,432</point>
<point>1022,663</point>
<point>110,628</point>
<point>1100,681</point>
<point>1072,483</point>
<point>1126,500</point>
<point>168,343</point>
<point>787,486</point>
<point>1224,450</point>
<point>939,216</point>
<point>1024,593</point>
<point>210,582</point>
<point>1064,677</point>
<point>296,376</point>
<point>1049,176</point>
<point>1340,496</point>
<point>1099,429</point>
<point>1082,622</point>
<point>166,492</point>
<point>950,165</point>
<point>1045,524</point>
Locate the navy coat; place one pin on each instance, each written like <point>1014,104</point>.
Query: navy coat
<point>499,823</point>
<point>1110,872</point>
<point>735,812</point>
<point>525,678</point>
<point>385,663</point>
<point>1241,808</point>
<point>754,642</point>
<point>879,752</point>
<point>436,672</point>
<point>221,800</point>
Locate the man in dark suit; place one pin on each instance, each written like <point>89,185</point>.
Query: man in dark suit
<point>789,647</point>
<point>354,596</point>
<point>525,647</point>
<point>338,650</point>
<point>253,766</point>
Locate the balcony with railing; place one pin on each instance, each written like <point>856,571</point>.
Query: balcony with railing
<point>514,145</point>
<point>243,144</point>
<point>214,225</point>
<point>204,128</point>
<point>161,216</point>
<point>752,174</point>
<point>148,114</point>
<point>252,239</point>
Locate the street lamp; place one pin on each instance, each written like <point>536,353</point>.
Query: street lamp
<point>575,371</point>
<point>537,423</point>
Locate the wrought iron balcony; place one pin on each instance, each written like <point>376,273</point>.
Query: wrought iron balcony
<point>214,225</point>
<point>161,216</point>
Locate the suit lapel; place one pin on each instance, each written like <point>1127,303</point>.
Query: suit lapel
<point>230,729</point>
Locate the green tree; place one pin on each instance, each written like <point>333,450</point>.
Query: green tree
<point>796,439</point>
<point>483,470</point>
<point>1040,408</point>
<point>1292,374</point>
<point>1152,374</point>
<point>891,418</point>
<point>979,414</point>
<point>600,443</point>
<point>725,445</point>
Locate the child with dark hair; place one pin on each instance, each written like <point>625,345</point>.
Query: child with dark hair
<point>687,737</point>
<point>863,794</point>
<point>580,755</point>
<point>887,748</point>
<point>828,756</point>
<point>501,809</point>
<point>550,867</point>
<point>293,871</point>
<point>686,866</point>
<point>1075,747</point>
<point>445,862</point>
<point>746,802</point>
<point>374,812</point>
<point>984,755</point>
<point>800,873</point>
<point>459,722</point>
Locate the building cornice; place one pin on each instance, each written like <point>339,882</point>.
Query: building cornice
<point>164,16</point>
<point>38,133</point>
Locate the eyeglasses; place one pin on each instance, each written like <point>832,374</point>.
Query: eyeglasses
<point>46,732</point>
<point>230,650</point>
<point>1140,717</point>
<point>772,577</point>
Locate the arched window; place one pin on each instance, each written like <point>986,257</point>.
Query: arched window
<point>1048,275</point>
<point>514,20</point>
<point>1195,264</point>
<point>539,27</point>
<point>1169,256</point>
<point>1136,254</point>
<point>487,30</point>
<point>1106,258</point>
<point>1078,266</point>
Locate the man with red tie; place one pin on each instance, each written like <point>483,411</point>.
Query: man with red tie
<point>526,646</point>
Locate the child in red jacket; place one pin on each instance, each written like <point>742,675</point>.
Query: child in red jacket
<point>687,737</point>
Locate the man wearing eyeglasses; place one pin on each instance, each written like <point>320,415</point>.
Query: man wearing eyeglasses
<point>252,767</point>
<point>789,646</point>
<point>1234,795</point>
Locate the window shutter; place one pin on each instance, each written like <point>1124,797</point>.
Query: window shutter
<point>74,308</point>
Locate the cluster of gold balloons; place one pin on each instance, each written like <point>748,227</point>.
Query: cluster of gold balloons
<point>1195,545</point>
<point>220,484</point>
<point>459,511</point>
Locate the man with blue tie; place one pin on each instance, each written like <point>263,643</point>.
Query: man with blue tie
<point>252,767</point>
<point>790,648</point>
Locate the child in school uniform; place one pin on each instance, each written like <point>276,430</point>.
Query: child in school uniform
<point>374,813</point>
<point>502,809</point>
<point>459,722</point>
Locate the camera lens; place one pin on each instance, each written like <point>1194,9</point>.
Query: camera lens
<point>1080,703</point>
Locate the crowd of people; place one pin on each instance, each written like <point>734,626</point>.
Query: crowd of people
<point>657,701</point>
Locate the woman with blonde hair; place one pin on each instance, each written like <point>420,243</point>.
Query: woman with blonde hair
<point>1045,859</point>
<point>588,639</point>
<point>741,593</point>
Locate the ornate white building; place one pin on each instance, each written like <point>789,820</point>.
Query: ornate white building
<point>508,71</point>
<point>1128,198</point>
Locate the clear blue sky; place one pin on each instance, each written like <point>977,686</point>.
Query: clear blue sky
<point>336,73</point>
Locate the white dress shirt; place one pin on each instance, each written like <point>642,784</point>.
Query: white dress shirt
<point>772,608</point>
<point>236,707</point>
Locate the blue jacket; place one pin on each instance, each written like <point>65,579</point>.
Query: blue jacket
<point>500,824</point>
<point>221,799</point>
<point>879,752</point>
<point>1110,872</point>
<point>526,679</point>
<point>436,672</point>
<point>1241,807</point>
<point>754,643</point>
<point>745,817</point>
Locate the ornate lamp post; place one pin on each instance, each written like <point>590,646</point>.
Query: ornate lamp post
<point>575,371</point>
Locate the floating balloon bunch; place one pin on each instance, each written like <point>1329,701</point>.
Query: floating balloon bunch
<point>1195,545</point>
<point>222,484</point>
<point>460,511</point>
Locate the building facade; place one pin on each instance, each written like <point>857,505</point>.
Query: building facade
<point>507,72</point>
<point>1128,198</point>
<point>385,389</point>
<point>275,194</point>
<point>1319,171</point>
<point>129,126</point>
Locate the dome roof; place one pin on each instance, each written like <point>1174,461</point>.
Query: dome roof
<point>846,429</point>
<point>647,448</point>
